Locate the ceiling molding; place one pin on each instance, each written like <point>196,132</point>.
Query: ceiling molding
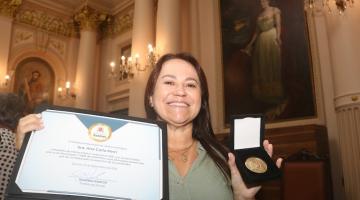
<point>64,9</point>
<point>122,6</point>
<point>69,7</point>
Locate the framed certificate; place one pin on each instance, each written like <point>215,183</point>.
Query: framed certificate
<point>82,154</point>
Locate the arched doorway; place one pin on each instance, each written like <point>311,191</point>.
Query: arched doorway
<point>34,81</point>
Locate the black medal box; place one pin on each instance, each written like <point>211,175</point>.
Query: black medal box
<point>246,141</point>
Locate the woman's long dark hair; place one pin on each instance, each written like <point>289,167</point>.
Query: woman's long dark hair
<point>202,129</point>
<point>12,108</point>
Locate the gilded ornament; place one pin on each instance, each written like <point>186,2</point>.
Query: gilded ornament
<point>117,25</point>
<point>44,21</point>
<point>354,98</point>
<point>89,18</point>
<point>9,7</point>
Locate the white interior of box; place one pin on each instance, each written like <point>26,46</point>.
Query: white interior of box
<point>247,132</point>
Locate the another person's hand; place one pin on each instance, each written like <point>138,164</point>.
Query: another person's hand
<point>241,191</point>
<point>27,124</point>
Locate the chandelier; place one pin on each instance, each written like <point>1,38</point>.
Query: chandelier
<point>341,5</point>
<point>128,65</point>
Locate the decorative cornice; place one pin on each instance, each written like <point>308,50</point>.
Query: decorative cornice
<point>8,7</point>
<point>89,18</point>
<point>86,19</point>
<point>42,20</point>
<point>117,25</point>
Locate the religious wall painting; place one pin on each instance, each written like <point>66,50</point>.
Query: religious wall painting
<point>34,82</point>
<point>266,59</point>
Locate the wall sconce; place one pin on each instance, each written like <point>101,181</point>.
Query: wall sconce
<point>126,66</point>
<point>124,70</point>
<point>6,82</point>
<point>67,93</point>
<point>152,56</point>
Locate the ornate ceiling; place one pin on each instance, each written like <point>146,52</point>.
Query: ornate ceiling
<point>71,6</point>
<point>66,17</point>
<point>74,4</point>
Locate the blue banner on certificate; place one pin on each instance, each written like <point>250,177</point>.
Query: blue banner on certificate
<point>85,155</point>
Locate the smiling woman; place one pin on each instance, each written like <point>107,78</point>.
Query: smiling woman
<point>177,93</point>
<point>199,166</point>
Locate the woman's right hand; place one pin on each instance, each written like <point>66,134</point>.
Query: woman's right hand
<point>247,50</point>
<point>240,189</point>
<point>27,124</point>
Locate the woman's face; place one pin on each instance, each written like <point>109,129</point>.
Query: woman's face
<point>177,93</point>
<point>264,3</point>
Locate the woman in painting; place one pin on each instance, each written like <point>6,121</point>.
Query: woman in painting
<point>265,48</point>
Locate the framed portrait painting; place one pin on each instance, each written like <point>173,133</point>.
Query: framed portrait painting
<point>266,56</point>
<point>126,50</point>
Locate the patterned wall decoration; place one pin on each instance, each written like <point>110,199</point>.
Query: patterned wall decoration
<point>113,25</point>
<point>58,46</point>
<point>23,37</point>
<point>44,21</point>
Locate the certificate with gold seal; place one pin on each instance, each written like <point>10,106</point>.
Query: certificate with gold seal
<point>84,155</point>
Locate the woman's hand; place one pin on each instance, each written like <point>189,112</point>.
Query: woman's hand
<point>241,191</point>
<point>27,124</point>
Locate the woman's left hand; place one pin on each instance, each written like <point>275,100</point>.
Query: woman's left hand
<point>240,190</point>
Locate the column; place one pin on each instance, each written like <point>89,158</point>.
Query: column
<point>143,33</point>
<point>326,79</point>
<point>6,17</point>
<point>168,26</point>
<point>89,19</point>
<point>345,47</point>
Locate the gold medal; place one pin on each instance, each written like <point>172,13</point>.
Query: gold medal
<point>256,165</point>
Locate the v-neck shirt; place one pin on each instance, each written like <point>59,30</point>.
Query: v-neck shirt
<point>204,180</point>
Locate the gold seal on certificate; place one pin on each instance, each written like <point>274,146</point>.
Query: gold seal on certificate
<point>256,165</point>
<point>100,132</point>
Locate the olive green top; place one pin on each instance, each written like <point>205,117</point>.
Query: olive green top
<point>204,180</point>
